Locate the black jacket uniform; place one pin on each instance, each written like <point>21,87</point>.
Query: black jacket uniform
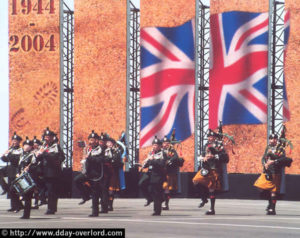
<point>26,158</point>
<point>157,173</point>
<point>97,173</point>
<point>51,161</point>
<point>156,167</point>
<point>95,169</point>
<point>12,158</point>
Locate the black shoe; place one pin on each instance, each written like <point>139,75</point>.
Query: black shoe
<point>11,210</point>
<point>203,203</point>
<point>43,203</point>
<point>35,207</point>
<point>110,208</point>
<point>82,202</point>
<point>19,209</point>
<point>93,215</point>
<point>49,212</point>
<point>147,203</point>
<point>210,212</point>
<point>268,207</point>
<point>24,217</point>
<point>102,211</point>
<point>271,212</point>
<point>165,208</point>
<point>155,214</point>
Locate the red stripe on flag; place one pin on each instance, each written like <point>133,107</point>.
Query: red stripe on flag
<point>249,32</point>
<point>161,123</point>
<point>145,36</point>
<point>287,16</point>
<point>162,80</point>
<point>254,99</point>
<point>286,113</point>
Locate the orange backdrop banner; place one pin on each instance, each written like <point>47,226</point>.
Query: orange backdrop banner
<point>34,83</point>
<point>100,70</point>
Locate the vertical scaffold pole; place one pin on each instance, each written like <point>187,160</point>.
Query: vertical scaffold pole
<point>66,81</point>
<point>202,51</point>
<point>133,84</point>
<point>276,88</point>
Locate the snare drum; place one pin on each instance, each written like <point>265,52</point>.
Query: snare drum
<point>23,184</point>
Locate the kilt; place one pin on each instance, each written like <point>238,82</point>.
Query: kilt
<point>114,181</point>
<point>211,181</point>
<point>171,183</point>
<point>264,184</point>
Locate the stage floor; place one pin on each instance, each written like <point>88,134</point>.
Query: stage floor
<point>234,218</point>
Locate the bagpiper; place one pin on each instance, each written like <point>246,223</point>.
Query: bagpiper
<point>208,179</point>
<point>274,160</point>
<point>113,154</point>
<point>173,164</point>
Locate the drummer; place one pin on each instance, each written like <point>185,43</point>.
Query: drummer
<point>26,165</point>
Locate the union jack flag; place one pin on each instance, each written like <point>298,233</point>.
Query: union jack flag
<point>238,75</point>
<point>167,82</point>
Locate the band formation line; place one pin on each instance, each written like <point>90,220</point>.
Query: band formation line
<point>35,170</point>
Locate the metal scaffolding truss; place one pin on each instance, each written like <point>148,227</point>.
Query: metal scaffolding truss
<point>133,83</point>
<point>276,67</point>
<point>202,45</point>
<point>66,81</point>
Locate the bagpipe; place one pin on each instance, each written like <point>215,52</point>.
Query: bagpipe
<point>279,154</point>
<point>176,145</point>
<point>116,158</point>
<point>280,148</point>
<point>223,139</point>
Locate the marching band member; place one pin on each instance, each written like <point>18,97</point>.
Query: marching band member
<point>39,178</point>
<point>40,184</point>
<point>156,166</point>
<point>121,144</point>
<point>273,161</point>
<point>172,168</point>
<point>51,156</point>
<point>12,157</point>
<point>27,159</point>
<point>97,174</point>
<point>208,178</point>
<point>144,181</point>
<point>81,179</point>
<point>113,155</point>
